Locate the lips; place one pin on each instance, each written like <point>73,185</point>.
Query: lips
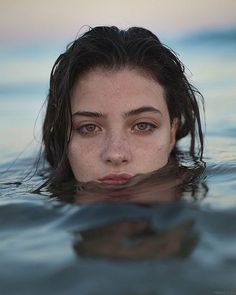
<point>114,178</point>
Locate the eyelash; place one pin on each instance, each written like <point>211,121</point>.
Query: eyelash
<point>151,127</point>
<point>83,130</point>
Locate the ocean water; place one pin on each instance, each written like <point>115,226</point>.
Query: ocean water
<point>135,243</point>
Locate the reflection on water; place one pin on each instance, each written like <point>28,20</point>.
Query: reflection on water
<point>137,238</point>
<point>134,240</point>
<point>165,185</point>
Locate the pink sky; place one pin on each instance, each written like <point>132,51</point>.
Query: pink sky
<point>30,20</point>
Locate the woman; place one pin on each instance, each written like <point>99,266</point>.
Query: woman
<point>118,104</point>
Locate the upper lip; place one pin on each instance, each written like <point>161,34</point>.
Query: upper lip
<point>116,178</point>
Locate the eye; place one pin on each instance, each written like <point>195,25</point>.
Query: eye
<point>144,127</point>
<point>88,129</point>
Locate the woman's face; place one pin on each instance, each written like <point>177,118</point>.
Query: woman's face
<point>121,126</point>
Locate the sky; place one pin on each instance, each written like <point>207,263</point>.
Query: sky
<point>35,21</point>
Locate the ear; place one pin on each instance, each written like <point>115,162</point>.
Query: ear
<point>173,131</point>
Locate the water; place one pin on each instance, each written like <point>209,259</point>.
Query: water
<point>136,245</point>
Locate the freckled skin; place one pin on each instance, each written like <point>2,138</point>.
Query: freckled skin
<point>118,143</point>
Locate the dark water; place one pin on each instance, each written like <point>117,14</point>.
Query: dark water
<point>130,242</point>
<point>50,246</point>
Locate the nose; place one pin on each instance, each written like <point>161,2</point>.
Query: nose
<point>116,151</point>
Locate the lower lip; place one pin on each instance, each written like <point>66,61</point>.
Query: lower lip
<point>114,181</point>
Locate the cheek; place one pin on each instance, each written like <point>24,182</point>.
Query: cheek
<point>154,152</point>
<point>158,143</point>
<point>82,157</point>
<point>79,153</point>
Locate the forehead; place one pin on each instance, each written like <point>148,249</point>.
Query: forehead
<point>119,89</point>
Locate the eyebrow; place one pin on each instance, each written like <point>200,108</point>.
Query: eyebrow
<point>144,109</point>
<point>89,114</point>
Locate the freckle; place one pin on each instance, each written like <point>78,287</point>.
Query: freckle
<point>160,147</point>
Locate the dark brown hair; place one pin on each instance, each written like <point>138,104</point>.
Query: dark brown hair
<point>112,48</point>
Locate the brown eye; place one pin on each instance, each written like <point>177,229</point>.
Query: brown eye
<point>144,127</point>
<point>88,129</point>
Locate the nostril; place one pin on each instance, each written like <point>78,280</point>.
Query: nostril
<point>116,152</point>
<point>116,160</point>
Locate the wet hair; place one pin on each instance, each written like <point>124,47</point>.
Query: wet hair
<point>112,49</point>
